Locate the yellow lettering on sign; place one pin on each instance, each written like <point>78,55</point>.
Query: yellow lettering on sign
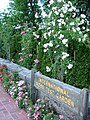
<point>61,94</point>
<point>50,91</point>
<point>40,85</point>
<point>65,100</point>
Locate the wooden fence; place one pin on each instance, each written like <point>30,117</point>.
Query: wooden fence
<point>72,102</point>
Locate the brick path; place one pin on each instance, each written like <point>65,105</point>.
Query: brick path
<point>8,108</point>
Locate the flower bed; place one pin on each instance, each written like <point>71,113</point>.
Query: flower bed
<point>17,89</point>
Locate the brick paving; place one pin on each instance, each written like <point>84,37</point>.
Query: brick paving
<point>8,108</point>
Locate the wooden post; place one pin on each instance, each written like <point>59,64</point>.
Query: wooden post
<point>33,89</point>
<point>88,117</point>
<point>84,104</point>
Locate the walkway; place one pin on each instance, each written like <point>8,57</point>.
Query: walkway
<point>8,108</point>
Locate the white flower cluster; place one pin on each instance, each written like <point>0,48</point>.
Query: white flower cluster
<point>62,28</point>
<point>50,44</point>
<point>64,55</point>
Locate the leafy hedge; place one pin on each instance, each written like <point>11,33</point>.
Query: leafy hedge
<point>57,46</point>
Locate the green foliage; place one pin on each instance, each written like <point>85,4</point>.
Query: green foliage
<point>57,43</point>
<point>79,75</point>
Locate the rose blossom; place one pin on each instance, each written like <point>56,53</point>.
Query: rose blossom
<point>23,32</point>
<point>36,61</point>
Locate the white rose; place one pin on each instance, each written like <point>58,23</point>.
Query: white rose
<point>72,23</point>
<point>61,15</point>
<point>45,45</point>
<point>79,39</point>
<point>36,15</point>
<point>50,44</point>
<point>64,41</point>
<point>57,13</point>
<point>66,45</point>
<point>45,35</point>
<point>70,66</point>
<point>51,2</point>
<point>44,14</point>
<point>78,28</point>
<point>83,28</point>
<point>49,33</point>
<point>85,35</point>
<point>45,50</point>
<point>73,29</point>
<point>64,55</point>
<point>48,69</point>
<point>61,36</point>
<point>54,8</point>
<point>83,16</point>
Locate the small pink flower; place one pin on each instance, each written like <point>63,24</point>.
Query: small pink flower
<point>24,87</point>
<point>19,98</point>
<point>20,83</point>
<point>30,108</point>
<point>60,117</point>
<point>37,108</point>
<point>35,105</point>
<point>30,55</point>
<point>20,88</point>
<point>36,61</point>
<point>28,115</point>
<point>42,101</point>
<point>23,32</point>
<point>25,100</point>
<point>20,93</point>
<point>21,59</point>
<point>36,115</point>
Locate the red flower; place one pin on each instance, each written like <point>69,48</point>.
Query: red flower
<point>1,79</point>
<point>3,65</point>
<point>0,68</point>
<point>12,79</point>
